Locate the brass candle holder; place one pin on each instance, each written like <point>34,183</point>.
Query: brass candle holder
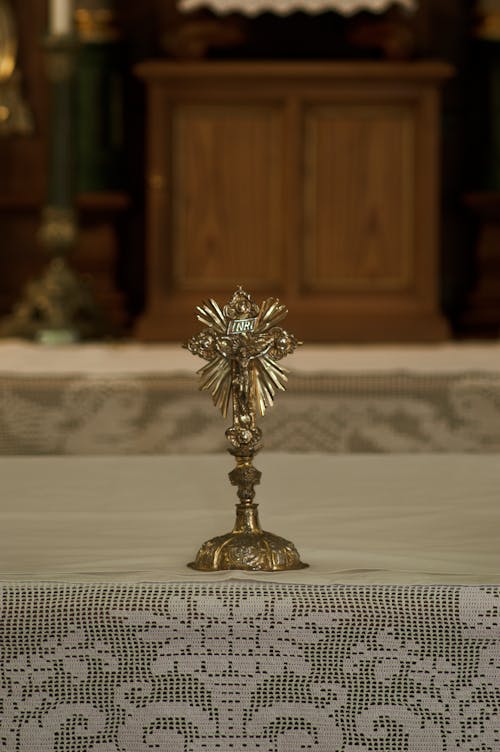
<point>242,344</point>
<point>58,307</point>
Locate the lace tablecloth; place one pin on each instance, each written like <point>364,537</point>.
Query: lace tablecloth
<point>282,7</point>
<point>132,399</point>
<point>249,668</point>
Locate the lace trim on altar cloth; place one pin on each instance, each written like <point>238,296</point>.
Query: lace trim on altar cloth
<point>319,413</point>
<point>249,668</point>
<point>285,7</point>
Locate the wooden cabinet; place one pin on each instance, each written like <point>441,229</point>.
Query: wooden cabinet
<point>315,182</point>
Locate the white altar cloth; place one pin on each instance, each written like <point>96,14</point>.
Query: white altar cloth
<point>141,399</point>
<point>355,519</point>
<point>132,359</point>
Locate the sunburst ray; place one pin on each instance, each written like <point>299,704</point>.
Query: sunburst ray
<point>271,313</point>
<point>215,377</point>
<point>211,315</point>
<point>268,377</point>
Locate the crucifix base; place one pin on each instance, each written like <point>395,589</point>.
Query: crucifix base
<point>247,547</point>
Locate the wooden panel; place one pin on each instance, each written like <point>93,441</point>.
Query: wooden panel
<point>227,189</point>
<point>358,198</point>
<point>18,262</point>
<point>482,309</point>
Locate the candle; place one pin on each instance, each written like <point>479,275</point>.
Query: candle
<point>60,17</point>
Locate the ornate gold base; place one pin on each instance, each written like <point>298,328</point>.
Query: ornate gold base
<point>247,547</point>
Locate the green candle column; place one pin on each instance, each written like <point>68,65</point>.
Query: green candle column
<point>99,101</point>
<point>58,231</point>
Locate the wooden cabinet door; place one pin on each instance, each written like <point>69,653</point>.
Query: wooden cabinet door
<point>358,193</point>
<point>314,182</point>
<point>227,197</point>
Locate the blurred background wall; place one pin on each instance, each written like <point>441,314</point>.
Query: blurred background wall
<point>111,134</point>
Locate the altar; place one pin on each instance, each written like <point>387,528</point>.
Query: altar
<point>381,467</point>
<point>389,641</point>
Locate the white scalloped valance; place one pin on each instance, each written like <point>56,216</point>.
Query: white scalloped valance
<point>283,7</point>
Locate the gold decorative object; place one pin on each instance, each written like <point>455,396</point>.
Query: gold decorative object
<point>488,26</point>
<point>15,115</point>
<point>56,309</point>
<point>96,24</point>
<point>242,344</point>
<point>487,19</point>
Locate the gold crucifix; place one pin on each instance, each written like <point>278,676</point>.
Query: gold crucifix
<point>242,343</point>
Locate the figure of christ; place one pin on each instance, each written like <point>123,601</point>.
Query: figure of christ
<point>242,344</point>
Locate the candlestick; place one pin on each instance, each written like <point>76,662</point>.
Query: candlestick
<point>58,307</point>
<point>242,344</point>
